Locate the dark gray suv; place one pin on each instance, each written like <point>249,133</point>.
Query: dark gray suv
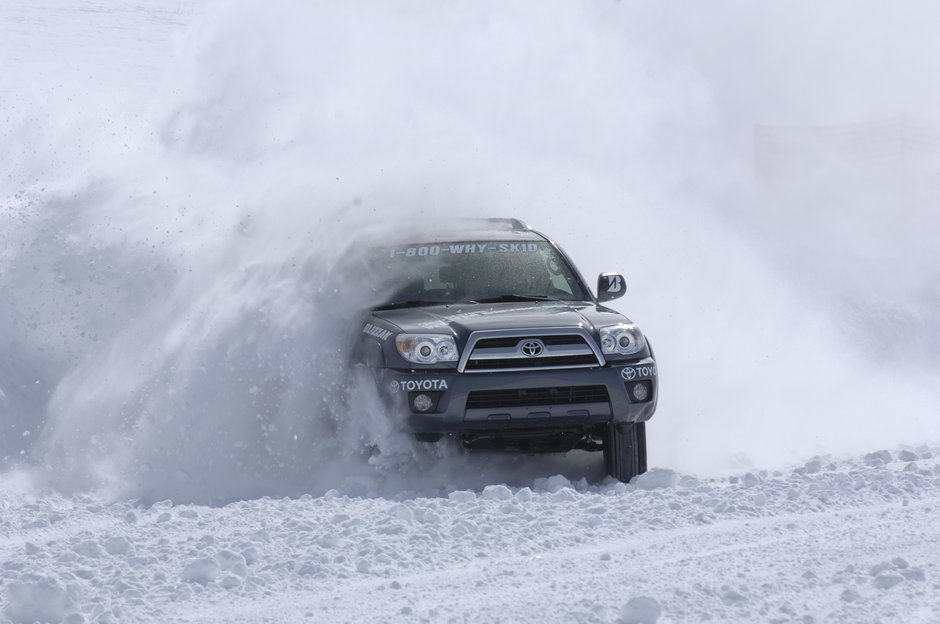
<point>489,335</point>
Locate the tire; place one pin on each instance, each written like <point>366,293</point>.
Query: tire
<point>625,450</point>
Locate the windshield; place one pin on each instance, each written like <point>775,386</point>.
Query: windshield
<point>481,271</point>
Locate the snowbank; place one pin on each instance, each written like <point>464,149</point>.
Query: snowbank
<point>835,540</point>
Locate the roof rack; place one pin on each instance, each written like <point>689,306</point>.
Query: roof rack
<point>507,223</point>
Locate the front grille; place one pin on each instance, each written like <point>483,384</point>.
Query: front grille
<point>530,397</point>
<point>512,341</point>
<point>501,350</point>
<point>544,361</point>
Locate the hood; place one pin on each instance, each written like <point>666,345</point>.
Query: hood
<point>461,319</point>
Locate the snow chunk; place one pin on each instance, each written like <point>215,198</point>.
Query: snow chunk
<point>879,568</point>
<point>403,513</point>
<point>731,597</point>
<point>231,582</point>
<point>900,563</point>
<point>565,494</point>
<point>497,492</point>
<point>327,541</point>
<point>641,610</point>
<point>462,496</point>
<point>43,600</point>
<point>88,548</point>
<point>201,571</point>
<point>850,595</point>
<point>251,554</point>
<point>260,536</point>
<point>887,580</point>
<point>878,458</point>
<point>913,574</point>
<point>228,559</point>
<point>656,478</point>
<point>552,484</point>
<point>117,545</point>
<point>750,480</point>
<point>426,516</point>
<point>813,466</point>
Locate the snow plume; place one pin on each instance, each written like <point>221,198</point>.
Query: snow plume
<point>230,384</point>
<point>200,326</point>
<point>175,302</point>
<point>183,306</point>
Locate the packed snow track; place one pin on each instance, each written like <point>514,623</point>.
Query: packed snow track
<point>850,540</point>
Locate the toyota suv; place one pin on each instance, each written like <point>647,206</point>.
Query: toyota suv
<point>488,334</point>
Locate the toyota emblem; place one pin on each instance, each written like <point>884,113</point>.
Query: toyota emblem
<point>532,348</point>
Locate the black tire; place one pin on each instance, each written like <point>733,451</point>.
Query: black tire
<point>625,450</point>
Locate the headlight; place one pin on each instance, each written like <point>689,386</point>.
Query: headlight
<point>623,339</point>
<point>427,348</point>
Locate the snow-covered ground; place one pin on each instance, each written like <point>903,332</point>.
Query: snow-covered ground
<point>851,540</point>
<point>179,183</point>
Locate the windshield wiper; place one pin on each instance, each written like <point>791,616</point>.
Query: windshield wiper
<point>411,303</point>
<point>414,303</point>
<point>503,298</point>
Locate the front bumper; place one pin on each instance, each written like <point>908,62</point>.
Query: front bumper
<point>544,399</point>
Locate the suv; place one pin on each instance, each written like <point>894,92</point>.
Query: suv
<point>489,335</point>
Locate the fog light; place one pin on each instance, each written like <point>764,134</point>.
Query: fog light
<point>422,402</point>
<point>640,391</point>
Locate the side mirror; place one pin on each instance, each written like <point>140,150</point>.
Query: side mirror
<point>610,286</point>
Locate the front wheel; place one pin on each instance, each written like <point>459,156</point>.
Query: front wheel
<point>625,450</point>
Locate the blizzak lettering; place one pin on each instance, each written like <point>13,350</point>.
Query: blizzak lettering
<point>377,332</point>
<point>410,385</point>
